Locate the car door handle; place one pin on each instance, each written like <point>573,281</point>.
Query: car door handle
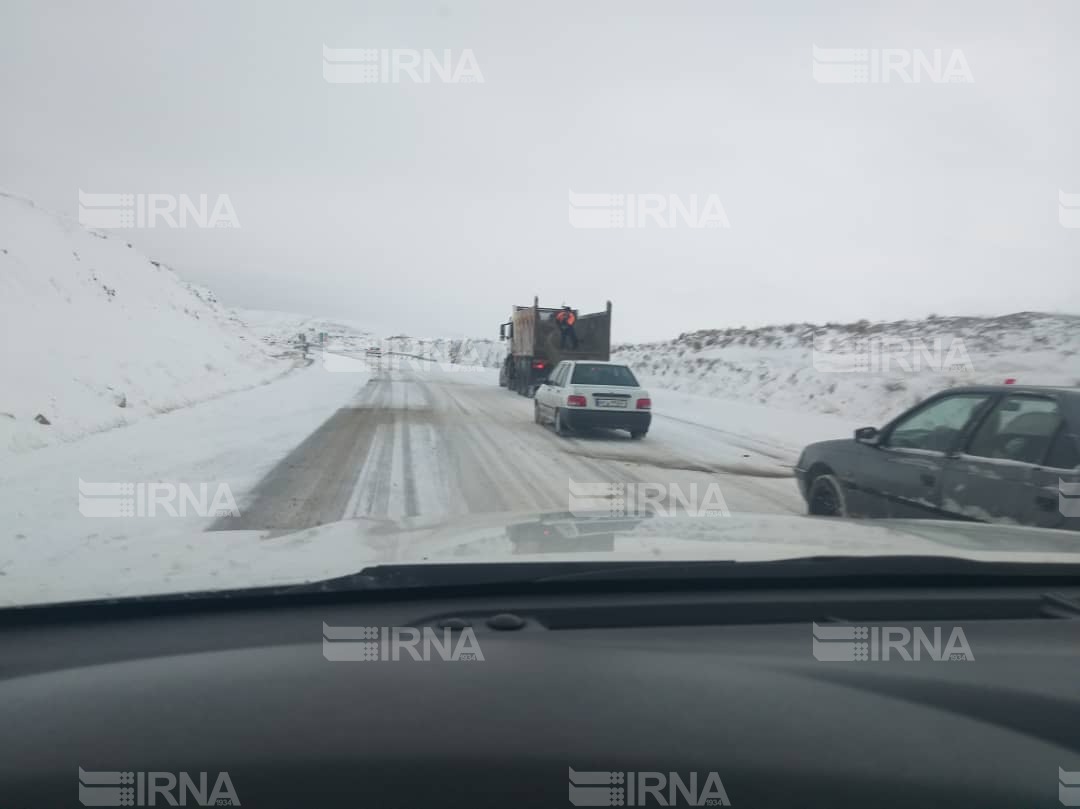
<point>927,479</point>
<point>1046,502</point>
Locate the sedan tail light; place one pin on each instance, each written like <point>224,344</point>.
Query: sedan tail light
<point>644,404</point>
<point>538,364</point>
<point>576,401</point>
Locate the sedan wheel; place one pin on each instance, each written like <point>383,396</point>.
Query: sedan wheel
<point>827,497</point>
<point>560,427</point>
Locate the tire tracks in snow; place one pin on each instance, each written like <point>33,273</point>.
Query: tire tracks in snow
<point>428,444</point>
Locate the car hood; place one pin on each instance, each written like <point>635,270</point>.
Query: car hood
<point>243,559</point>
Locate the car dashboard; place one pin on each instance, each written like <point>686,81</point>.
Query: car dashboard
<point>562,696</point>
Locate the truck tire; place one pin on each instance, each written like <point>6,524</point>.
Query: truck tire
<point>637,435</point>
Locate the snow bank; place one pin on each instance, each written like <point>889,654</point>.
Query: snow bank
<point>282,330</point>
<point>96,335</point>
<point>470,352</point>
<point>863,372</point>
<point>346,338</point>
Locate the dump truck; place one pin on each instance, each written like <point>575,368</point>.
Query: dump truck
<point>533,340</point>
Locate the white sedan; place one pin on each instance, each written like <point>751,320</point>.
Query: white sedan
<point>583,395</point>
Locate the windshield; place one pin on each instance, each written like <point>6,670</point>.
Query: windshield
<point>290,292</point>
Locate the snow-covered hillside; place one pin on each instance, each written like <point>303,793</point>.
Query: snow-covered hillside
<point>348,338</point>
<point>470,352</point>
<point>96,335</point>
<point>282,330</point>
<point>862,371</point>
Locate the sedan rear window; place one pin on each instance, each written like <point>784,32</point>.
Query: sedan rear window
<point>1020,428</point>
<point>588,373</point>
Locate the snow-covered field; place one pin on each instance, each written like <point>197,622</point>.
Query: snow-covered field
<point>50,550</point>
<point>862,372</point>
<point>97,336</point>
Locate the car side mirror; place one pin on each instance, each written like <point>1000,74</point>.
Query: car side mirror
<point>868,435</point>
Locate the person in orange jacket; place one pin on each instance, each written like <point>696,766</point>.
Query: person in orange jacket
<point>566,320</point>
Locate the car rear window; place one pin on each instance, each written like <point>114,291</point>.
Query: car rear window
<point>586,373</point>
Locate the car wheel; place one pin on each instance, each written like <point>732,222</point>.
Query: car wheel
<point>560,426</point>
<point>637,435</point>
<point>826,498</point>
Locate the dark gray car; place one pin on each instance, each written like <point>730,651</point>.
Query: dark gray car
<point>990,453</point>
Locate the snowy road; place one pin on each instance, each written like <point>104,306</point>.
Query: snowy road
<point>433,442</point>
<point>316,446</point>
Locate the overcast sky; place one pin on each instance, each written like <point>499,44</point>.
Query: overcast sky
<point>430,208</point>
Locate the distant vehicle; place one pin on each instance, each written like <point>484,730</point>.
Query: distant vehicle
<point>990,453</point>
<point>586,395</point>
<point>374,351</point>
<point>535,344</point>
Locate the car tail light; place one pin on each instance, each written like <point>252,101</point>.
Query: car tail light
<point>576,401</point>
<point>644,404</point>
<point>539,364</point>
<point>1010,381</point>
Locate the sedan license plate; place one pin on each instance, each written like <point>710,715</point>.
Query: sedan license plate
<point>610,402</point>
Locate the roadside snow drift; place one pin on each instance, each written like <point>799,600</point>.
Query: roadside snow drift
<point>349,339</point>
<point>864,372</point>
<point>96,335</point>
